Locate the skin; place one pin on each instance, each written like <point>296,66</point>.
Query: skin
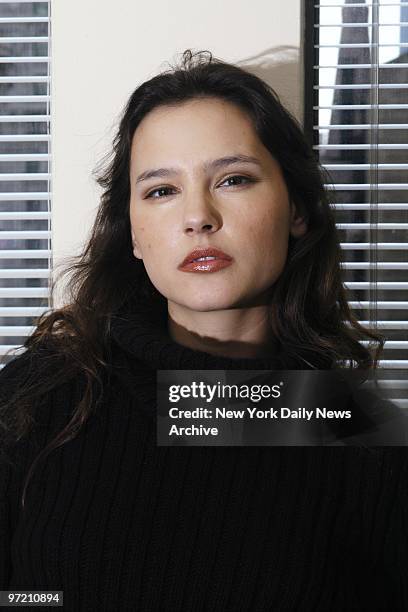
<point>224,312</point>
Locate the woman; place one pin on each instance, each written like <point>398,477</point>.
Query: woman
<point>205,157</point>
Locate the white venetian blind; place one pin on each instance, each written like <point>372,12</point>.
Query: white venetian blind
<point>25,215</point>
<point>358,55</point>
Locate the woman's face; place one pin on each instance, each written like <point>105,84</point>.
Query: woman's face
<point>240,207</point>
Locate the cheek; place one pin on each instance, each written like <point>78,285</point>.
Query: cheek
<point>143,234</point>
<point>268,234</point>
<point>157,246</point>
<point>268,247</point>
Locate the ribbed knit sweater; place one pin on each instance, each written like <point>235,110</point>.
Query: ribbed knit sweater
<point>118,523</point>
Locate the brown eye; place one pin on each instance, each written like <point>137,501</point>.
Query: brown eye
<point>150,194</point>
<point>239,177</point>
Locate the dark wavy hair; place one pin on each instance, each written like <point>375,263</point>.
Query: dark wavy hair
<point>309,312</point>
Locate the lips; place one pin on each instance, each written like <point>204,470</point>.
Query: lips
<point>206,252</point>
<point>195,262</point>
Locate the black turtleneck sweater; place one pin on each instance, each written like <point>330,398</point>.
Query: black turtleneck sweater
<point>118,523</point>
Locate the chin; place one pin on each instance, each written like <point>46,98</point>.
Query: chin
<point>207,303</point>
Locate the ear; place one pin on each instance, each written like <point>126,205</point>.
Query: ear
<point>137,252</point>
<point>298,225</point>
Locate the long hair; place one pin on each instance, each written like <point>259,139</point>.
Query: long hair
<point>309,313</point>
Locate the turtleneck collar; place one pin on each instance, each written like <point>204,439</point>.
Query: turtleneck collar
<point>141,345</point>
<point>142,333</point>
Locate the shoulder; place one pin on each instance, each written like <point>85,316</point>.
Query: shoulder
<point>37,392</point>
<point>36,364</point>
<point>14,370</point>
<point>26,373</point>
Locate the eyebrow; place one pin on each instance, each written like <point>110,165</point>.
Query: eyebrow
<point>213,164</point>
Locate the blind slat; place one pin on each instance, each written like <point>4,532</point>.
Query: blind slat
<point>382,305</point>
<point>366,206</point>
<point>31,176</point>
<point>24,1</point>
<point>23,292</point>
<point>402,24</point>
<point>349,107</point>
<point>24,20</point>
<point>366,186</point>
<point>341,167</point>
<point>24,138</point>
<point>390,344</point>
<point>361,126</point>
<point>396,246</point>
<point>24,273</point>
<point>24,79</point>
<point>24,215</point>
<point>363,85</point>
<point>393,364</point>
<point>349,6</point>
<point>387,324</point>
<point>14,330</point>
<point>367,226</point>
<point>24,196</point>
<point>381,265</point>
<point>361,45</point>
<point>23,99</point>
<point>11,40</point>
<point>22,311</point>
<point>384,285</point>
<point>25,254</point>
<point>356,147</point>
<point>13,157</point>
<point>24,118</point>
<point>25,235</point>
<point>32,59</point>
<point>358,66</point>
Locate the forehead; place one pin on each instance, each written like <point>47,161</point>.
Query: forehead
<point>195,128</point>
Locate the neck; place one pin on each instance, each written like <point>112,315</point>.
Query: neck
<point>235,332</point>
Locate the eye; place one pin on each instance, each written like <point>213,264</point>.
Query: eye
<point>150,194</point>
<point>240,178</point>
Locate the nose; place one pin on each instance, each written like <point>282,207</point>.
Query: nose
<point>201,216</point>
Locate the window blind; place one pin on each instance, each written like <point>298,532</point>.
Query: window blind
<point>356,116</point>
<point>25,174</point>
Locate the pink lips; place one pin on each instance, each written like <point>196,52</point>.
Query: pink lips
<point>189,264</point>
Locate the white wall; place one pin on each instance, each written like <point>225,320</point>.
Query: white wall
<point>101,51</point>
